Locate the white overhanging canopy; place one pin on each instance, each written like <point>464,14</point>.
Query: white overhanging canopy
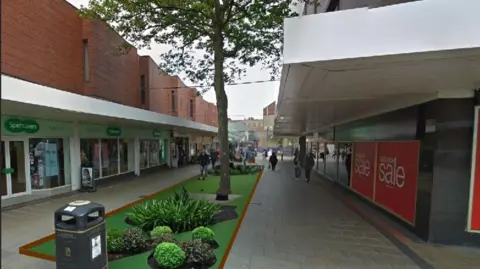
<point>23,98</point>
<point>347,65</point>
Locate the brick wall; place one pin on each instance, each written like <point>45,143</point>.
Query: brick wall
<point>42,43</point>
<point>201,110</point>
<point>112,76</point>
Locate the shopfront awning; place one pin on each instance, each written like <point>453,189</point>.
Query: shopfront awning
<point>23,98</point>
<point>347,65</point>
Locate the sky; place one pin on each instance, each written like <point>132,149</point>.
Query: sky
<point>244,100</point>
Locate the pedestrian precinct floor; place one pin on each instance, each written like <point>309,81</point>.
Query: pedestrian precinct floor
<point>297,225</point>
<point>288,224</point>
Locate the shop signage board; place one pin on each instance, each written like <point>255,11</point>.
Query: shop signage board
<point>363,168</point>
<point>473,223</point>
<point>156,133</point>
<point>396,178</point>
<point>113,131</point>
<point>16,125</point>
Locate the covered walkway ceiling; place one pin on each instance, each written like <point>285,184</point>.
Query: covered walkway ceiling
<point>348,65</point>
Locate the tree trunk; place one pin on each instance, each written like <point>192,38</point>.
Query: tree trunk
<point>302,140</point>
<point>222,107</point>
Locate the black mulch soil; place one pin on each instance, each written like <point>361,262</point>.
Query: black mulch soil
<point>153,264</point>
<point>117,256</point>
<point>227,212</point>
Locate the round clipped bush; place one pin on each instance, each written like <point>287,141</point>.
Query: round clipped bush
<point>169,255</point>
<point>135,240</point>
<point>203,233</point>
<point>196,251</point>
<point>160,230</point>
<point>115,242</point>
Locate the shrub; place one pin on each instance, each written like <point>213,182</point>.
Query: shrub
<point>169,255</point>
<point>203,233</point>
<point>182,196</point>
<point>160,230</point>
<point>135,240</point>
<point>180,215</point>
<point>196,251</point>
<point>115,241</point>
<point>169,238</point>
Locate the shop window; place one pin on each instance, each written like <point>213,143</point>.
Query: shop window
<point>173,101</point>
<point>331,160</point>
<point>47,163</point>
<point>90,155</point>
<point>144,145</point>
<point>153,154</point>
<point>344,163</point>
<point>126,151</point>
<point>109,157</point>
<point>86,61</point>
<point>143,89</point>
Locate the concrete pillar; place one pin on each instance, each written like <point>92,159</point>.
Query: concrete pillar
<point>75,161</point>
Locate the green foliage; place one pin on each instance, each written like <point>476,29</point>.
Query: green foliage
<point>203,233</point>
<point>160,230</point>
<point>182,196</point>
<point>212,42</point>
<point>196,251</point>
<point>135,240</point>
<point>169,238</point>
<point>179,215</point>
<point>115,242</point>
<point>169,255</point>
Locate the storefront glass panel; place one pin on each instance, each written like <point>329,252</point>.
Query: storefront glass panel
<point>109,157</point>
<point>47,163</point>
<point>90,155</point>
<point>126,155</point>
<point>144,145</point>
<point>331,161</point>
<point>344,162</point>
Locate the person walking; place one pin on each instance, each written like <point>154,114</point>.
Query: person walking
<point>309,164</point>
<point>280,152</point>
<point>273,161</point>
<point>297,169</point>
<point>204,159</point>
<point>213,158</point>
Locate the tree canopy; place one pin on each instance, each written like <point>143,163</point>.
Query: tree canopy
<point>212,42</point>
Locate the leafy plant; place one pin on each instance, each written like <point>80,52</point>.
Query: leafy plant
<point>135,240</point>
<point>182,196</point>
<point>169,255</point>
<point>160,230</point>
<point>115,242</point>
<point>179,215</point>
<point>203,233</point>
<point>229,35</point>
<point>196,251</point>
<point>169,238</point>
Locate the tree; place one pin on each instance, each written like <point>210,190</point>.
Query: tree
<point>212,42</point>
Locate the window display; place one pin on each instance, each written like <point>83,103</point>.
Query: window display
<point>126,154</point>
<point>151,153</point>
<point>47,162</point>
<point>144,145</point>
<point>109,155</point>
<point>90,154</point>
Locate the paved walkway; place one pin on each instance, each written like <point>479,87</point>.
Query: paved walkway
<point>26,224</point>
<point>289,225</point>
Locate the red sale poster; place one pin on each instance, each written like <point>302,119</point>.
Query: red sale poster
<point>474,208</point>
<point>397,177</point>
<point>363,168</point>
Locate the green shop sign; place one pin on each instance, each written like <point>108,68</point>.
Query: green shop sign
<point>114,131</point>
<point>7,171</point>
<point>157,134</point>
<point>21,126</point>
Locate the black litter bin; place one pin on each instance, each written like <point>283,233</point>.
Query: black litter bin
<point>80,236</point>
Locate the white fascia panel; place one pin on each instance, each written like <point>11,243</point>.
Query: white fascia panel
<point>17,90</point>
<point>421,26</point>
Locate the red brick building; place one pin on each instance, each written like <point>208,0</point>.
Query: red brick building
<point>47,43</point>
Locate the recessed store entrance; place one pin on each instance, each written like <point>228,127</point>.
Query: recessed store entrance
<point>14,168</point>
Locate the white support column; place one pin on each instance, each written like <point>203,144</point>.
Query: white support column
<point>75,159</point>
<point>137,156</point>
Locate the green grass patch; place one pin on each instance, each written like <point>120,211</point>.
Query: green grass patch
<point>242,185</point>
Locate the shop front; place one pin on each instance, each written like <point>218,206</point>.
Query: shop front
<point>35,158</point>
<point>153,148</point>
<point>108,150</point>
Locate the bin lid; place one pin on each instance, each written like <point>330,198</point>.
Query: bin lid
<point>79,203</point>
<point>79,208</point>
